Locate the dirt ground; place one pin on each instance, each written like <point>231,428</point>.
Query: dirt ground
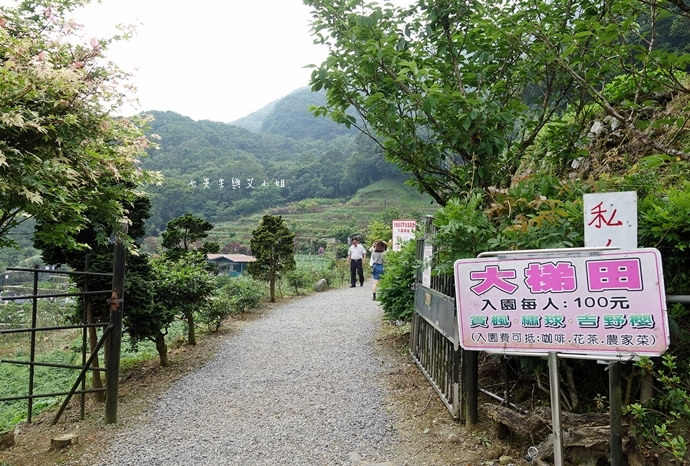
<point>429,434</point>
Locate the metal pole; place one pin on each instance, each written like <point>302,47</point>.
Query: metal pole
<point>114,342</point>
<point>32,342</point>
<point>615,392</point>
<point>555,409</point>
<point>471,359</point>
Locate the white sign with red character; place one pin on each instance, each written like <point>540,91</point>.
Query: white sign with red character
<point>608,303</point>
<point>611,219</point>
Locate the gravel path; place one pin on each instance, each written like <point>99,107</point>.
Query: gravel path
<point>301,385</point>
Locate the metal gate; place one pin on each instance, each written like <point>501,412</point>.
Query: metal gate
<point>434,339</point>
<point>111,332</point>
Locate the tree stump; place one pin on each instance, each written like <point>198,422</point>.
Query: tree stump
<point>63,440</point>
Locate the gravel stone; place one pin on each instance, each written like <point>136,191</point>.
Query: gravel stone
<point>301,385</point>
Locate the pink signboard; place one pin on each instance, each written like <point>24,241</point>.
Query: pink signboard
<point>609,303</point>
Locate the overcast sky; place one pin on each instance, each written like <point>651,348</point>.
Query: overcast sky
<point>210,59</point>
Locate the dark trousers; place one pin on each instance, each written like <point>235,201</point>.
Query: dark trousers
<point>355,269</point>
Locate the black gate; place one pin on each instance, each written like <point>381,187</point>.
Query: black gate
<point>434,340</point>
<point>111,332</point>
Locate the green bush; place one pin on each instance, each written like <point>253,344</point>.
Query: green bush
<point>630,88</point>
<point>237,295</point>
<point>464,230</point>
<point>664,224</point>
<point>299,279</point>
<point>244,293</point>
<point>216,310</point>
<point>663,422</point>
<point>395,287</point>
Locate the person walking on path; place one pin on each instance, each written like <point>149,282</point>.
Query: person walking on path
<point>377,250</point>
<point>304,384</point>
<point>356,255</point>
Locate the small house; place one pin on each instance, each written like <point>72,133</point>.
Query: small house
<point>230,264</point>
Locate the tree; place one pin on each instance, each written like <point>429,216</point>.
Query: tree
<point>181,233</point>
<point>457,91</point>
<point>183,287</point>
<point>379,231</point>
<point>272,246</point>
<point>62,153</point>
<point>98,258</point>
<point>145,316</point>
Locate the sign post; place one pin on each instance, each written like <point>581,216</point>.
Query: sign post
<point>590,303</point>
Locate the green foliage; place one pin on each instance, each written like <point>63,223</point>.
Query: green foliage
<point>182,233</point>
<point>379,231</point>
<point>561,141</point>
<point>539,212</point>
<point>183,287</point>
<point>218,308</point>
<point>341,271</point>
<point>63,152</point>
<point>244,293</point>
<point>290,118</point>
<point>271,245</point>
<point>464,117</point>
<point>395,290</point>
<point>236,296</point>
<point>206,153</point>
<point>664,224</point>
<point>463,231</point>
<point>664,421</point>
<point>145,316</point>
<point>298,279</point>
<point>631,89</point>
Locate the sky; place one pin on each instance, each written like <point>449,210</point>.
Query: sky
<point>214,60</point>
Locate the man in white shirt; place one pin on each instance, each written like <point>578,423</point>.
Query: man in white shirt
<point>355,258</point>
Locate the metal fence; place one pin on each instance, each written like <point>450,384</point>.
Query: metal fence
<point>434,339</point>
<point>34,330</point>
<point>112,333</point>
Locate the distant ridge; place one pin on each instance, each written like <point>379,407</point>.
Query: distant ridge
<point>290,117</point>
<point>254,120</point>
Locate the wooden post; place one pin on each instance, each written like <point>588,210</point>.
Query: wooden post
<point>115,339</point>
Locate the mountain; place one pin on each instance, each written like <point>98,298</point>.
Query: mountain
<point>290,117</point>
<point>254,120</point>
<point>220,171</point>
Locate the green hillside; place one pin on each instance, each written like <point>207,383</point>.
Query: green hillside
<point>316,221</point>
<point>221,172</point>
